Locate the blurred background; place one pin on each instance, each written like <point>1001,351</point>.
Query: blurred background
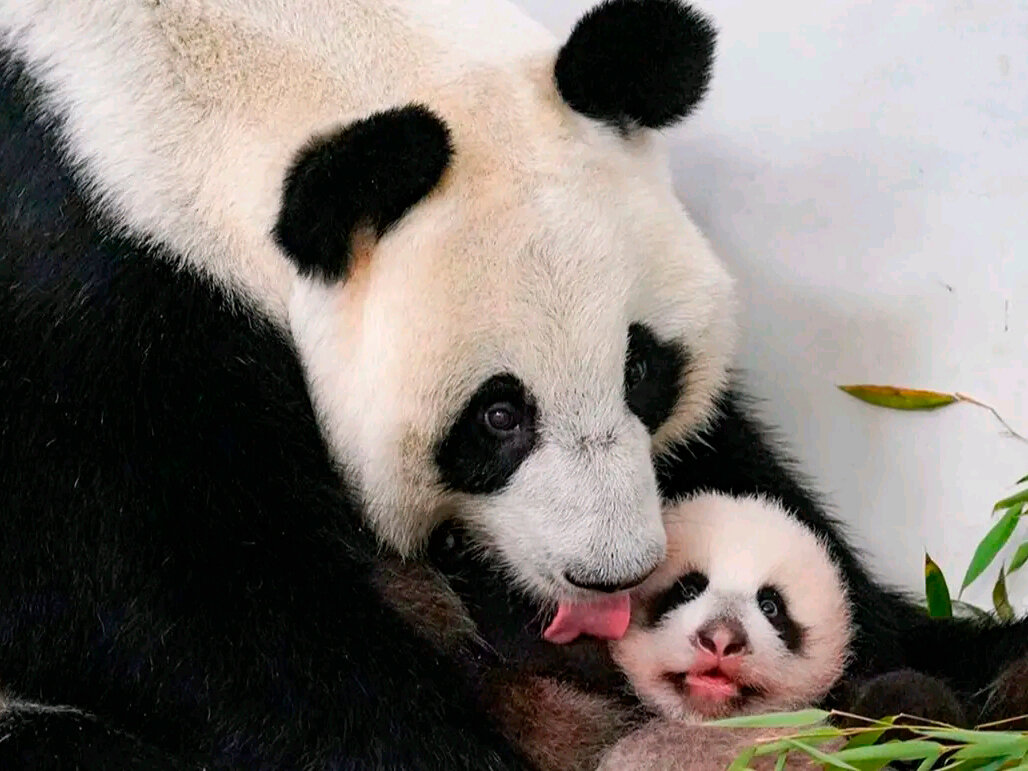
<point>863,170</point>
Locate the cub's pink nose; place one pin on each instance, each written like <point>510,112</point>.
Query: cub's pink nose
<point>723,638</point>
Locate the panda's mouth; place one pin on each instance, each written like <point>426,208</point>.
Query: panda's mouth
<point>712,692</point>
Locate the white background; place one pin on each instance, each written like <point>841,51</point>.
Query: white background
<point>863,169</point>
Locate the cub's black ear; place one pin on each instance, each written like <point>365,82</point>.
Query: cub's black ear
<point>636,63</point>
<point>369,173</point>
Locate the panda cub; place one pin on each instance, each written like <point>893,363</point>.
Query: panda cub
<point>747,614</point>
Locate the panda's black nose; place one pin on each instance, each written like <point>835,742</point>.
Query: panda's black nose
<point>607,587</point>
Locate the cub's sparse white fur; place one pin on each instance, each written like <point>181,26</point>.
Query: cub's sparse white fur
<point>547,236</point>
<point>741,545</point>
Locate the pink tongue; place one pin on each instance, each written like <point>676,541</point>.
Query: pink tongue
<point>606,619</point>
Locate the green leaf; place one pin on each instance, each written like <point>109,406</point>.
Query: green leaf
<point>929,762</point>
<point>1013,500</point>
<point>799,718</point>
<point>969,736</point>
<point>1008,750</point>
<point>991,545</point>
<point>1022,480</point>
<point>865,738</point>
<point>1020,557</point>
<point>1000,600</point>
<point>915,749</point>
<point>899,398</point>
<point>936,591</point>
<point>816,754</point>
<point>780,761</point>
<point>742,761</point>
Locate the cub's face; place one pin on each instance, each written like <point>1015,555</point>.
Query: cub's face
<point>747,614</point>
<point>517,348</point>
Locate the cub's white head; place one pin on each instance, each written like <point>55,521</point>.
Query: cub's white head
<point>504,311</point>
<point>748,614</point>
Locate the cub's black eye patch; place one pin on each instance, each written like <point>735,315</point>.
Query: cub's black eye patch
<point>774,608</point>
<point>490,439</point>
<point>683,591</point>
<point>654,372</point>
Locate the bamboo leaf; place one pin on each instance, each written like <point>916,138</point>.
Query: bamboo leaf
<point>1001,601</point>
<point>915,749</point>
<point>969,736</point>
<point>936,591</point>
<point>1007,750</point>
<point>991,545</point>
<point>742,761</point>
<point>803,717</point>
<point>899,398</point>
<point>1020,557</point>
<point>816,754</point>
<point>865,738</point>
<point>1014,500</point>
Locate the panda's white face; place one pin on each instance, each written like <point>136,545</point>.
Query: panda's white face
<point>519,347</point>
<point>531,318</point>
<point>748,614</point>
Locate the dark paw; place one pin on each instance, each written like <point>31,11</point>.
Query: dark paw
<point>1008,698</point>
<point>908,692</point>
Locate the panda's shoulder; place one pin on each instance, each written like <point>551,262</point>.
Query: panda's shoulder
<point>101,326</point>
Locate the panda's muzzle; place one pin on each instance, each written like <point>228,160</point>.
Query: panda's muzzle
<point>607,586</point>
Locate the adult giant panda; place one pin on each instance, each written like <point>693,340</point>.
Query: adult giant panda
<point>285,285</point>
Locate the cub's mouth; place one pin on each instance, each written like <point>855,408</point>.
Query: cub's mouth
<point>712,692</point>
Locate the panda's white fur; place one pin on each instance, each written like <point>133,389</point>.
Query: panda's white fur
<point>546,237</point>
<point>740,545</point>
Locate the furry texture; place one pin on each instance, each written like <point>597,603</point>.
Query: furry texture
<point>44,738</point>
<point>637,63</point>
<point>370,172</point>
<point>185,131</point>
<point>180,558</point>
<point>908,692</point>
<point>739,545</point>
<point>665,745</point>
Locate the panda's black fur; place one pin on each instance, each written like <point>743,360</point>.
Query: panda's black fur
<point>184,584</point>
<point>173,556</point>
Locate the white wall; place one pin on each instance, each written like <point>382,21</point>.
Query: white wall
<point>863,168</point>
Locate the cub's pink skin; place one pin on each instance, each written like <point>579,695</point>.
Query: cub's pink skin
<point>747,614</point>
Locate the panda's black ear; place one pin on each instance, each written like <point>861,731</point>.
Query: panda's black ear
<point>369,173</point>
<point>636,63</point>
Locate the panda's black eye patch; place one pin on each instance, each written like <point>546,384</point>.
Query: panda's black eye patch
<point>683,591</point>
<point>654,372</point>
<point>774,608</point>
<point>490,439</point>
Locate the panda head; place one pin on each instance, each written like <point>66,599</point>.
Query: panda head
<point>504,312</point>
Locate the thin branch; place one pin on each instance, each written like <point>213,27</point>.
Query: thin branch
<point>971,400</point>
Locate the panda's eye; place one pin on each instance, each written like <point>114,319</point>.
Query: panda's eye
<point>692,586</point>
<point>635,373</point>
<point>770,602</point>
<point>502,417</point>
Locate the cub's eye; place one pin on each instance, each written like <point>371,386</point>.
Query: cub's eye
<point>770,602</point>
<point>502,417</point>
<point>692,586</point>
